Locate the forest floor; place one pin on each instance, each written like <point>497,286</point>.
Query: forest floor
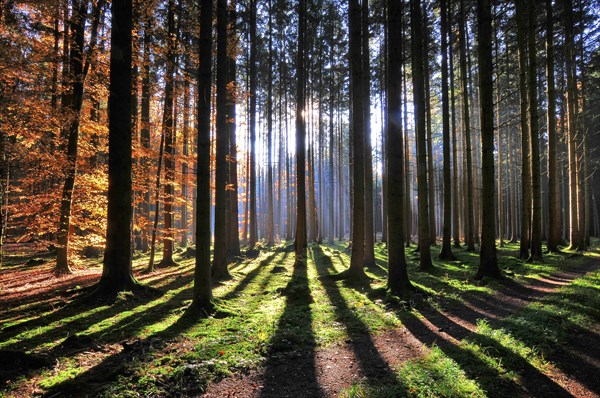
<point>294,332</point>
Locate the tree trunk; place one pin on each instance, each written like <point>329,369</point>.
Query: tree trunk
<point>469,210</point>
<point>418,76</point>
<point>300,244</point>
<point>202,298</point>
<point>145,133</point>
<point>488,263</point>
<point>116,271</point>
<point>169,134</point>
<point>270,218</point>
<point>219,268</point>
<point>429,138</point>
<point>525,142</point>
<point>253,222</point>
<point>233,240</point>
<point>355,271</point>
<point>368,158</point>
<point>446,252</point>
<point>536,178</point>
<point>398,281</point>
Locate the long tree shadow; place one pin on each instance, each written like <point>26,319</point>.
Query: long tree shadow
<point>80,323</point>
<point>372,364</point>
<point>251,276</point>
<point>294,339</point>
<point>94,380</point>
<point>531,378</point>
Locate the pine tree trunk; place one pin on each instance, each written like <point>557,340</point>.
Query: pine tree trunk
<point>169,134</point>
<point>446,252</point>
<point>270,217</point>
<point>355,270</point>
<point>418,77</point>
<point>300,243</point>
<point>116,271</point>
<point>253,239</point>
<point>466,120</point>
<point>536,178</point>
<point>233,239</point>
<point>488,263</point>
<point>202,298</point>
<point>219,268</point>
<point>145,134</point>
<point>525,142</point>
<point>429,137</point>
<point>398,281</point>
<point>368,158</point>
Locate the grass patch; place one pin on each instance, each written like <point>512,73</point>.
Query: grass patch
<point>269,309</point>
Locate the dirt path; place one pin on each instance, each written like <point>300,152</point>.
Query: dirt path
<point>324,373</point>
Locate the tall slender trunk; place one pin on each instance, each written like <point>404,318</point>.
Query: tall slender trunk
<point>536,178</point>
<point>202,297</point>
<point>219,268</point>
<point>270,218</point>
<point>446,252</point>
<point>169,134</point>
<point>418,77</point>
<point>466,120</point>
<point>73,102</point>
<point>455,196</point>
<point>301,243</point>
<point>368,157</point>
<point>358,128</point>
<point>525,142</point>
<point>233,234</point>
<point>253,77</point>
<point>429,136</point>
<point>145,133</point>
<point>488,263</point>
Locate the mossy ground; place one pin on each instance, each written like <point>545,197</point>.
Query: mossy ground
<point>143,345</point>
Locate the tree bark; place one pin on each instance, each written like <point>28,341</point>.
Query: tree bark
<point>116,271</point>
<point>418,77</point>
<point>219,268</point>
<point>202,298</point>
<point>446,252</point>
<point>300,243</point>
<point>525,142</point>
<point>469,210</point>
<point>488,263</point>
<point>398,281</point>
<point>536,178</point>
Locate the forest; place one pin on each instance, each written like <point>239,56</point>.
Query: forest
<point>307,198</point>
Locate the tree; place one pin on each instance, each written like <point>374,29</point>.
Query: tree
<point>525,142</point>
<point>202,298</point>
<point>300,243</point>
<point>536,178</point>
<point>466,120</point>
<point>488,263</point>
<point>398,281</point>
<point>418,73</point>
<point>253,223</point>
<point>219,268</point>
<point>73,103</point>
<point>573,138</point>
<point>357,260</point>
<point>169,137</point>
<point>116,271</point>
<point>446,252</point>
<point>368,157</point>
<point>554,226</point>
